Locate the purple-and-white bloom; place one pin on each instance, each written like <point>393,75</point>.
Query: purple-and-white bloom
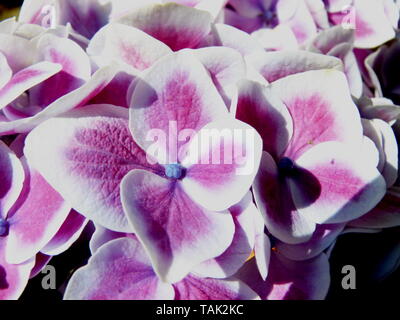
<point>175,207</point>
<point>374,21</point>
<point>54,78</point>
<point>32,215</point>
<point>297,20</point>
<point>312,171</point>
<point>85,17</point>
<point>120,269</point>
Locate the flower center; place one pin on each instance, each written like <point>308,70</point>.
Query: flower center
<point>269,15</point>
<point>4,227</point>
<point>286,167</point>
<point>175,171</point>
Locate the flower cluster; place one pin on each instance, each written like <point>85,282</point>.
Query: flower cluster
<point>218,147</point>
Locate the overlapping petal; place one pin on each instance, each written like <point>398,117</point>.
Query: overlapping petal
<point>177,233</point>
<point>90,152</point>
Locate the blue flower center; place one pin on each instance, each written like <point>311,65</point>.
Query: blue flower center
<point>175,171</point>
<point>269,15</point>
<point>286,167</point>
<point>4,227</point>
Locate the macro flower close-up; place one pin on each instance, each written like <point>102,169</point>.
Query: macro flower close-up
<point>199,149</point>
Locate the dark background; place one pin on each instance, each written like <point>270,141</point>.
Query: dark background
<point>372,255</point>
<point>11,3</point>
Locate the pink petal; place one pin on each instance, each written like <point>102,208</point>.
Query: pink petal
<point>321,239</point>
<point>262,252</point>
<point>385,141</point>
<point>373,27</point>
<point>14,48</point>
<point>195,288</point>
<point>13,277</point>
<point>40,262</point>
<point>67,234</point>
<point>119,270</point>
<point>327,39</point>
<point>223,158</point>
<point>319,113</point>
<point>26,79</point>
<point>74,99</point>
<point>127,45</point>
<point>300,21</point>
<point>290,280</point>
<point>385,215</point>
<point>75,69</point>
<point>228,36</point>
<point>280,38</point>
<point>250,8</point>
<point>176,94</point>
<point>35,221</point>
<point>177,26</point>
<point>276,65</point>
<point>102,235</point>
<point>264,111</point>
<point>273,199</point>
<point>241,247</point>
<point>32,11</point>
<point>348,186</point>
<point>318,12</point>
<point>12,179</point>
<point>214,7</point>
<point>5,71</point>
<point>337,5</point>
<point>86,17</point>
<point>226,67</point>
<point>90,150</point>
<point>262,245</point>
<point>121,84</point>
<point>378,108</point>
<point>353,74</point>
<point>246,24</point>
<point>177,233</point>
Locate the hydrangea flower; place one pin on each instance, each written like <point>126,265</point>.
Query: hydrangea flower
<point>210,149</point>
<point>177,90</point>
<point>34,218</point>
<point>300,19</point>
<point>55,78</point>
<point>374,21</point>
<point>136,280</point>
<point>307,132</point>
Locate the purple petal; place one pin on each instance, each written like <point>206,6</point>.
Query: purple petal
<point>290,280</point>
<point>177,26</point>
<point>26,79</point>
<point>264,111</point>
<point>242,244</point>
<point>74,99</point>
<point>321,239</point>
<point>35,221</point>
<point>226,166</point>
<point>13,277</point>
<point>127,45</point>
<point>176,94</point>
<point>177,233</point>
<point>119,270</point>
<point>67,234</point>
<point>273,199</point>
<point>12,179</point>
<point>90,150</point>
<point>195,288</point>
